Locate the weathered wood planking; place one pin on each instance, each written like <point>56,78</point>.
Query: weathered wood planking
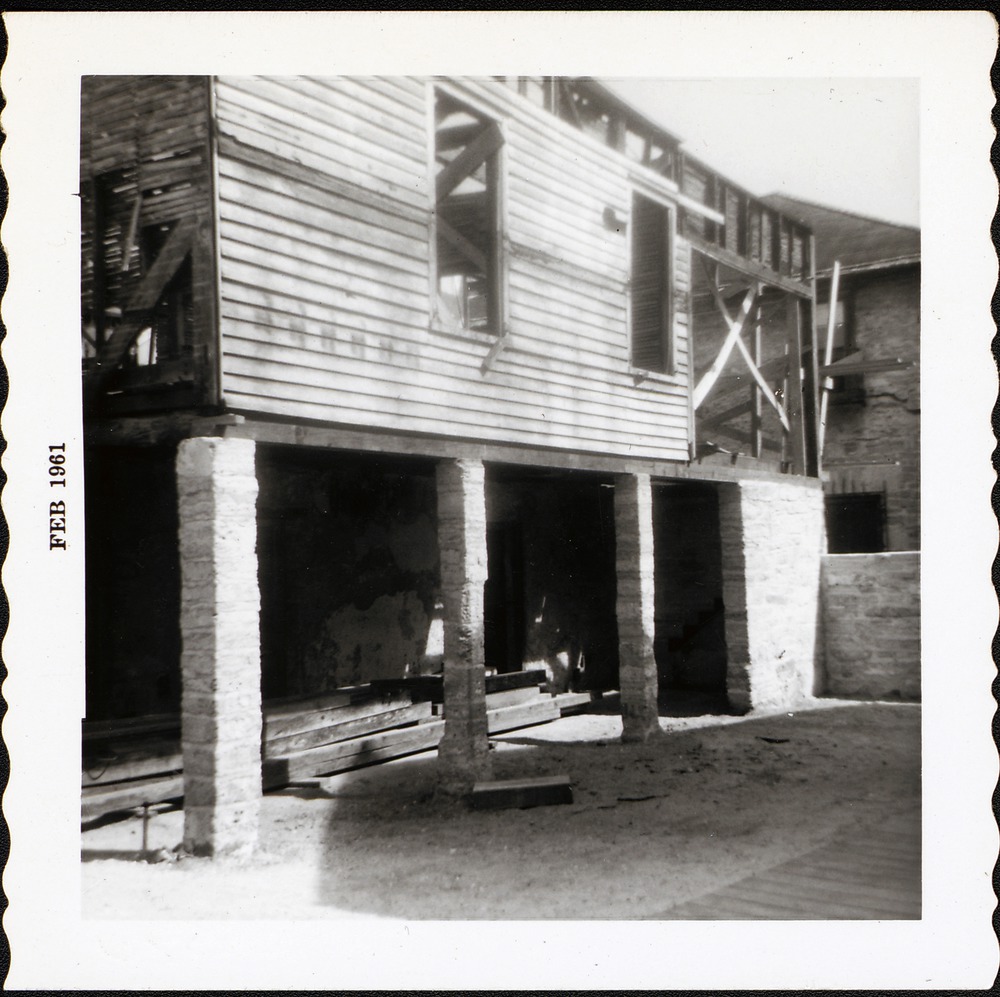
<point>145,162</point>
<point>326,310</point>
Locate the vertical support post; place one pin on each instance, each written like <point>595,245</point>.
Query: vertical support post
<point>813,446</point>
<point>220,645</point>
<point>794,399</point>
<point>635,606</point>
<point>463,754</point>
<point>756,402</point>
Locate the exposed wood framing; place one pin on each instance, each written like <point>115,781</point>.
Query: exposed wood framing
<point>748,267</point>
<point>136,313</point>
<point>794,394</point>
<point>857,364</point>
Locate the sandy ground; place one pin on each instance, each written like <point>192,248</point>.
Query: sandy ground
<point>713,800</point>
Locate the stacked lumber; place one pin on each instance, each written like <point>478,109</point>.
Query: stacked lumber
<point>130,763</point>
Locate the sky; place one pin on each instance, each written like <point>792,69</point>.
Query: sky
<point>846,143</point>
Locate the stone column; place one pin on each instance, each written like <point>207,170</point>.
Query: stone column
<point>220,645</point>
<point>635,606</point>
<point>463,755</point>
<point>772,539</point>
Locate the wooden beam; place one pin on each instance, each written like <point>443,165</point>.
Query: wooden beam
<point>489,140</point>
<point>521,793</point>
<point>733,412</point>
<point>143,300</point>
<point>831,325</point>
<point>133,228</point>
<point>856,364</point>
<point>749,267</point>
<point>793,398</point>
<point>456,136</point>
<point>469,250</point>
<point>767,392</point>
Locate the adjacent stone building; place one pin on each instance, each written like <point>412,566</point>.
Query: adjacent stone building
<point>870,450</point>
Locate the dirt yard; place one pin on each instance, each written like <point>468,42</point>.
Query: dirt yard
<point>651,826</point>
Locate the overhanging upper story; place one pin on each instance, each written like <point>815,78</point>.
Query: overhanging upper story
<point>506,261</point>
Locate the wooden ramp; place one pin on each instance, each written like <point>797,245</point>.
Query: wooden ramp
<point>859,874</point>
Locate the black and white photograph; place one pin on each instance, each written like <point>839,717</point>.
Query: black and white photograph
<point>515,485</point>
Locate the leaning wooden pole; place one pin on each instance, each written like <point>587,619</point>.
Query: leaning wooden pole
<point>831,324</point>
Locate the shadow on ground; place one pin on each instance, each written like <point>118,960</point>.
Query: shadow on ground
<point>651,826</point>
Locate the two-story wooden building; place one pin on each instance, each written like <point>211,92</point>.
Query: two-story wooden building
<point>391,378</point>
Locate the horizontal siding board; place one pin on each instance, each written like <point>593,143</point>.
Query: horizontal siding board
<point>319,230</point>
<point>416,397</point>
<point>391,360</point>
<point>303,127</point>
<point>351,265</point>
<point>283,198</point>
<point>388,300</point>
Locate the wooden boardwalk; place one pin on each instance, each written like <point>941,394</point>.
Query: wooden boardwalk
<point>859,874</point>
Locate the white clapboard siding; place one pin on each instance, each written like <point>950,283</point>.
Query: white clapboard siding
<point>325,214</point>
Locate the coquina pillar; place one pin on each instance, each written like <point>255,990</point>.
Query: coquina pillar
<point>772,540</point>
<point>635,606</point>
<point>220,645</point>
<point>463,755</point>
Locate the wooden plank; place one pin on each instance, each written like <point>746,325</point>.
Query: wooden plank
<point>344,730</point>
<point>468,160</point>
<point>140,765</point>
<point>523,715</point>
<point>288,724</point>
<point>100,800</point>
<point>504,794</point>
<point>94,730</point>
<point>350,754</point>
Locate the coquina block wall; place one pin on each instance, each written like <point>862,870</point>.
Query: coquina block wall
<point>772,541</point>
<point>871,625</point>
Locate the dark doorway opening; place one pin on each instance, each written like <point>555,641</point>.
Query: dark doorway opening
<point>690,643</point>
<point>504,597</point>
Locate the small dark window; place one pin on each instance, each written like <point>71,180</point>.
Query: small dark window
<point>855,524</point>
<point>651,286</point>
<point>467,150</point>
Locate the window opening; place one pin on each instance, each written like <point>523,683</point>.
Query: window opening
<point>651,286</point>
<point>467,149</point>
<point>855,523</point>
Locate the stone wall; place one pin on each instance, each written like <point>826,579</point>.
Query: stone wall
<point>772,540</point>
<point>871,625</point>
<point>873,445</point>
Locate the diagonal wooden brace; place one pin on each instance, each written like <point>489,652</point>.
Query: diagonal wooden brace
<point>707,382</point>
<point>468,160</point>
<point>142,302</point>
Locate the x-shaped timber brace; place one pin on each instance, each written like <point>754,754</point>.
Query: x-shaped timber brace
<point>790,417</point>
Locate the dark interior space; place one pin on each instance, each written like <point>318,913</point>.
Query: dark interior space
<point>690,643</point>
<point>552,576</point>
<point>348,569</point>
<point>132,582</point>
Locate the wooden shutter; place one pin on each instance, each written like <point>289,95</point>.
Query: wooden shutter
<point>651,286</point>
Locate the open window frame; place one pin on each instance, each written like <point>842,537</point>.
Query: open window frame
<point>468,217</point>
